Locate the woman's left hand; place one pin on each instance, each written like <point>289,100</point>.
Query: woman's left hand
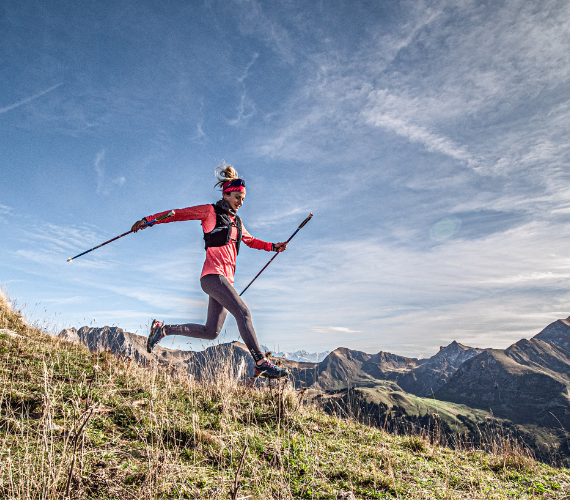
<point>280,247</point>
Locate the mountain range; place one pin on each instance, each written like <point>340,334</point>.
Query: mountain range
<point>525,386</point>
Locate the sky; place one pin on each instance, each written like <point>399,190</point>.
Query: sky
<point>429,139</point>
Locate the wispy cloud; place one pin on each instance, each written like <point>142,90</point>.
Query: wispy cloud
<point>246,107</point>
<point>379,116</point>
<point>27,100</point>
<point>76,299</point>
<point>245,74</point>
<point>99,171</point>
<point>335,329</point>
<point>55,260</point>
<point>468,99</point>
<point>254,21</point>
<point>410,301</point>
<point>245,110</point>
<point>58,238</point>
<point>277,216</point>
<point>102,186</point>
<point>150,295</point>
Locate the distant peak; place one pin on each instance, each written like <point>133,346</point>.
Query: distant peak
<point>453,346</point>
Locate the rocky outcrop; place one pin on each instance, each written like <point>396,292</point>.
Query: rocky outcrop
<point>557,333</point>
<point>69,335</point>
<point>433,373</point>
<point>230,360</point>
<point>543,356</point>
<point>116,340</point>
<point>388,366</point>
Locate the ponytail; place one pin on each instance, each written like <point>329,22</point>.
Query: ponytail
<point>225,173</point>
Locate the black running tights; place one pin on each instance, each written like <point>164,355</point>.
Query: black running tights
<point>223,298</point>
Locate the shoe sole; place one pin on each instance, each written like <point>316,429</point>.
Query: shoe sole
<point>148,347</point>
<point>271,378</point>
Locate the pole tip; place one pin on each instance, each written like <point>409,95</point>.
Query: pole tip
<point>70,259</point>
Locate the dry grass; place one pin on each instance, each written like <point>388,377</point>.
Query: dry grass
<point>88,425</point>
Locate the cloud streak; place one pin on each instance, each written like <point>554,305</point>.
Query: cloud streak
<point>27,100</point>
<point>335,329</point>
<point>102,186</point>
<point>6,210</point>
<point>99,171</point>
<point>414,133</point>
<point>246,107</point>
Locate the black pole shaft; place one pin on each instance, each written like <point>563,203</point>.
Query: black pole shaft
<point>271,260</point>
<point>162,217</point>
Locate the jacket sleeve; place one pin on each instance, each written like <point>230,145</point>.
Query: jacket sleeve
<point>252,242</point>
<point>204,213</point>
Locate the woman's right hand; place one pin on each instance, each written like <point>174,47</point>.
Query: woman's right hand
<point>140,224</point>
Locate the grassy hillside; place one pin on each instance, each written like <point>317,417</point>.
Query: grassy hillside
<point>449,424</point>
<point>92,426</point>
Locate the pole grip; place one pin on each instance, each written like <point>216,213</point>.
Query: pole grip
<point>162,217</point>
<point>165,216</point>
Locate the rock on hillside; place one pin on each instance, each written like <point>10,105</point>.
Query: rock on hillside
<point>514,384</point>
<point>433,373</point>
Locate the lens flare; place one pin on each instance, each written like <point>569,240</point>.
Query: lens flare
<point>445,228</point>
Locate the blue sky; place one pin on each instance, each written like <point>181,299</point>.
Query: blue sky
<point>429,138</point>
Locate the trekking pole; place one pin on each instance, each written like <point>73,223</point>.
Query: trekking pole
<point>162,217</point>
<point>291,237</point>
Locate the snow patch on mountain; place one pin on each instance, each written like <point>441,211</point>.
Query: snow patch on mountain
<point>301,355</point>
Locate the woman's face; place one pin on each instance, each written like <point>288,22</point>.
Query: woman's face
<point>235,199</point>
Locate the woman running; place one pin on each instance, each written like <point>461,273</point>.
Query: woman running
<point>223,233</point>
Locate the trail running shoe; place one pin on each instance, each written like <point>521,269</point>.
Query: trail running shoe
<point>156,333</point>
<point>269,370</point>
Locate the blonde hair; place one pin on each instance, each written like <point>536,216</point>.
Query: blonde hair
<point>225,173</point>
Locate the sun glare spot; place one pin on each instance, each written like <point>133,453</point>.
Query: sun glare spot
<point>445,228</point>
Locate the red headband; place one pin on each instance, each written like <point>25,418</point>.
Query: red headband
<point>234,185</point>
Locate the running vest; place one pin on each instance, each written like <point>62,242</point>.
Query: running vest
<point>221,234</point>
